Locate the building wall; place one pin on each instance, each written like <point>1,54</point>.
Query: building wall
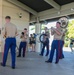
<point>0,20</point>
<point>0,13</point>
<point>14,11</point>
<point>9,9</point>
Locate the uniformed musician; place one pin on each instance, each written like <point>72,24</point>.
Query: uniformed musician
<point>46,42</point>
<point>23,43</point>
<point>10,32</point>
<point>57,43</point>
<point>61,55</point>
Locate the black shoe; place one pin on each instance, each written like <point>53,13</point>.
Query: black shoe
<point>40,54</point>
<point>61,58</point>
<point>56,62</point>
<point>23,56</point>
<point>18,56</point>
<point>48,61</point>
<point>46,55</point>
<point>2,64</point>
<point>13,67</point>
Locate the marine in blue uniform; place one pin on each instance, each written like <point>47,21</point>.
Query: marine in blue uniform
<point>23,43</point>
<point>56,44</point>
<point>10,32</point>
<point>61,55</point>
<point>46,42</point>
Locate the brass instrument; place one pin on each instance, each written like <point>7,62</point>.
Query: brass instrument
<point>64,22</point>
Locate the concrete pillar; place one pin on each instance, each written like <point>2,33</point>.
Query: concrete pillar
<point>38,31</point>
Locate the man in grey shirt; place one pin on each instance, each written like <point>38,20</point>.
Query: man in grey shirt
<point>10,32</point>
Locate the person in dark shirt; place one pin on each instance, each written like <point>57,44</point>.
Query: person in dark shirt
<point>32,42</point>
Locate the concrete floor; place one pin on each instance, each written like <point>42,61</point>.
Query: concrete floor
<point>33,64</point>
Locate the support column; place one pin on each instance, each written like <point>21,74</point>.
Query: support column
<point>38,31</point>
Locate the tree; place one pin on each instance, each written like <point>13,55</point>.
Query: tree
<point>42,27</point>
<point>70,32</point>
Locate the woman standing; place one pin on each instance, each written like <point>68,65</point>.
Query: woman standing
<point>33,42</point>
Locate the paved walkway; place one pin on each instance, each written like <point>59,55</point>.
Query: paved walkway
<point>33,64</point>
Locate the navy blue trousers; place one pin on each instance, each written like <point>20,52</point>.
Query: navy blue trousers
<point>61,55</point>
<point>10,43</point>
<point>56,45</point>
<point>46,44</point>
<point>22,46</point>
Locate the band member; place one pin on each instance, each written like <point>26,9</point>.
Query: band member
<point>23,43</point>
<point>57,43</point>
<point>10,32</point>
<point>46,42</point>
<point>61,55</point>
